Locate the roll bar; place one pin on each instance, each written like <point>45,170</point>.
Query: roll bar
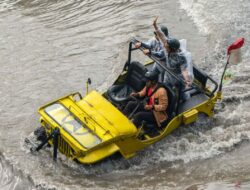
<point>168,70</point>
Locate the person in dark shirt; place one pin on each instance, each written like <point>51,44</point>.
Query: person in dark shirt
<point>175,61</point>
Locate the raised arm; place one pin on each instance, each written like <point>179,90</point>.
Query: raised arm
<point>155,23</point>
<point>159,33</point>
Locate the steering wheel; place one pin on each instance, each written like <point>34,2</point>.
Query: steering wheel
<point>119,93</point>
<point>138,101</point>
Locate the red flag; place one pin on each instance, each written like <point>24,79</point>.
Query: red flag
<point>233,51</point>
<point>236,45</point>
<point>233,56</point>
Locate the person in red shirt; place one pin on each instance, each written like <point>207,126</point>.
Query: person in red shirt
<point>154,111</point>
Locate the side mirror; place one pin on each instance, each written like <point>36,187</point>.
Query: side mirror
<point>87,85</point>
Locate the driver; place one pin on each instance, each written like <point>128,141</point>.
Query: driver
<point>154,110</point>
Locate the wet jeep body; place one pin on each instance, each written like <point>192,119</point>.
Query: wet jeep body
<point>93,127</point>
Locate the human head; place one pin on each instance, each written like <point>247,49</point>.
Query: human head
<point>164,29</point>
<point>173,44</point>
<point>151,77</point>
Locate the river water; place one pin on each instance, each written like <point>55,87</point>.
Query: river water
<point>48,48</point>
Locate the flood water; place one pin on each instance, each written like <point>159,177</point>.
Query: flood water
<point>48,49</point>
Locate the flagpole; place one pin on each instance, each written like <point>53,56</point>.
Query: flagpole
<point>225,68</point>
<point>236,45</point>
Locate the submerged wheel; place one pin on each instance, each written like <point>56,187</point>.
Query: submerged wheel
<point>40,134</point>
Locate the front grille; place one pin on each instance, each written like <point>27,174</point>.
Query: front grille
<point>64,147</point>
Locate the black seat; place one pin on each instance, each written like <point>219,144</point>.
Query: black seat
<point>134,81</point>
<point>200,76</point>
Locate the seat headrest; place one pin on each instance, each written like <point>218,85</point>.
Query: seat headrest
<point>135,77</point>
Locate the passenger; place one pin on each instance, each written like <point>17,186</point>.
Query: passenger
<point>154,47</point>
<point>154,111</point>
<point>175,60</point>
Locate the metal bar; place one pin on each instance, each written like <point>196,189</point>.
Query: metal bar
<point>43,143</point>
<point>55,142</point>
<point>224,71</point>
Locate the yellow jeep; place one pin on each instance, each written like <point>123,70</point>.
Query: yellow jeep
<point>91,128</point>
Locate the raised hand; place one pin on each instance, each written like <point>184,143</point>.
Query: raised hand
<point>155,23</point>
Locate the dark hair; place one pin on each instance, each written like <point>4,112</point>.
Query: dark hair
<point>164,29</point>
<point>151,75</point>
<point>173,44</point>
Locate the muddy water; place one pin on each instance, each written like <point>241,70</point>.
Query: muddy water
<point>49,48</point>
